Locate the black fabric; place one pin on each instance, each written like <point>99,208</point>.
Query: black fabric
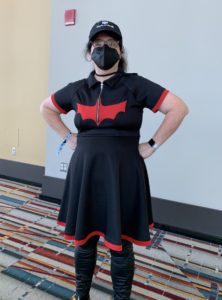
<point>107,189</point>
<point>85,263</point>
<point>106,26</point>
<point>146,92</point>
<point>66,95</point>
<point>138,91</point>
<point>99,196</point>
<point>105,57</point>
<point>122,269</point>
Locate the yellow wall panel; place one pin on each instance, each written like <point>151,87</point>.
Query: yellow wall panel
<point>24,58</point>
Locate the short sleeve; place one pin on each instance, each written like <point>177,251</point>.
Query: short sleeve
<point>150,93</point>
<point>63,99</point>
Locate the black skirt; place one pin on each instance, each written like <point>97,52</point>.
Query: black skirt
<point>107,193</point>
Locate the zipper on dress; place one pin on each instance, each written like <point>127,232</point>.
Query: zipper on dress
<point>98,104</point>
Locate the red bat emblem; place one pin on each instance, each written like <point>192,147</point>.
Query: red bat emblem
<point>100,112</point>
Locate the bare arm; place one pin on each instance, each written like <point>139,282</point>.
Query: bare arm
<point>175,110</point>
<point>52,116</point>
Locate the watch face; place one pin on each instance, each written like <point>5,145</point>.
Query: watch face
<point>151,142</point>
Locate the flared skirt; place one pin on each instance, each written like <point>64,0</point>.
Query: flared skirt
<point>107,193</point>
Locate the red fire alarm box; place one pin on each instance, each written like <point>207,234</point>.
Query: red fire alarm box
<point>70,17</point>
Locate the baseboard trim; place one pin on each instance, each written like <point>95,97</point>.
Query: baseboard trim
<point>21,180</point>
<point>49,199</point>
<point>52,187</point>
<point>22,172</point>
<point>188,219</point>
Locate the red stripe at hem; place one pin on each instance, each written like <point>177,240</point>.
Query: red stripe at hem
<point>61,223</point>
<point>151,225</point>
<point>112,246</point>
<point>57,105</point>
<point>106,243</point>
<point>139,243</point>
<point>159,102</point>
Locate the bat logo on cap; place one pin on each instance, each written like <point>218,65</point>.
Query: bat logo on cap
<point>100,112</point>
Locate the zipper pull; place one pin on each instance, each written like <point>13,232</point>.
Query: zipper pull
<point>98,105</point>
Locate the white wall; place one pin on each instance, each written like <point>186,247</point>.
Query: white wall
<point>176,43</point>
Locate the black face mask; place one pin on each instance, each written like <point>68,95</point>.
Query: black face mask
<point>105,57</point>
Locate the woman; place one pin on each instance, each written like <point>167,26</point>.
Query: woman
<point>107,189</point>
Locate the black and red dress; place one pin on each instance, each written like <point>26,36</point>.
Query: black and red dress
<point>107,188</point>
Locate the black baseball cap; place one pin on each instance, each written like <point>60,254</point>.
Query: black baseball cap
<point>105,26</point>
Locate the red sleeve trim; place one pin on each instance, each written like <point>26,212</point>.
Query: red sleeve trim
<point>159,102</point>
<point>57,106</point>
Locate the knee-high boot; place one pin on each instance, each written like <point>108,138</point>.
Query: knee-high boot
<point>122,271</point>
<point>85,262</point>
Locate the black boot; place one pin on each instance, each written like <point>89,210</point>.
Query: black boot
<point>122,271</point>
<point>85,262</point>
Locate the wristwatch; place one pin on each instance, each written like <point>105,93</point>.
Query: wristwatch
<point>153,144</point>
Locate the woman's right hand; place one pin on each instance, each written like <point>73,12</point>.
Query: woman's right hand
<point>72,142</point>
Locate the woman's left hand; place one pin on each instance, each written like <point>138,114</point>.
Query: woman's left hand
<point>145,150</point>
